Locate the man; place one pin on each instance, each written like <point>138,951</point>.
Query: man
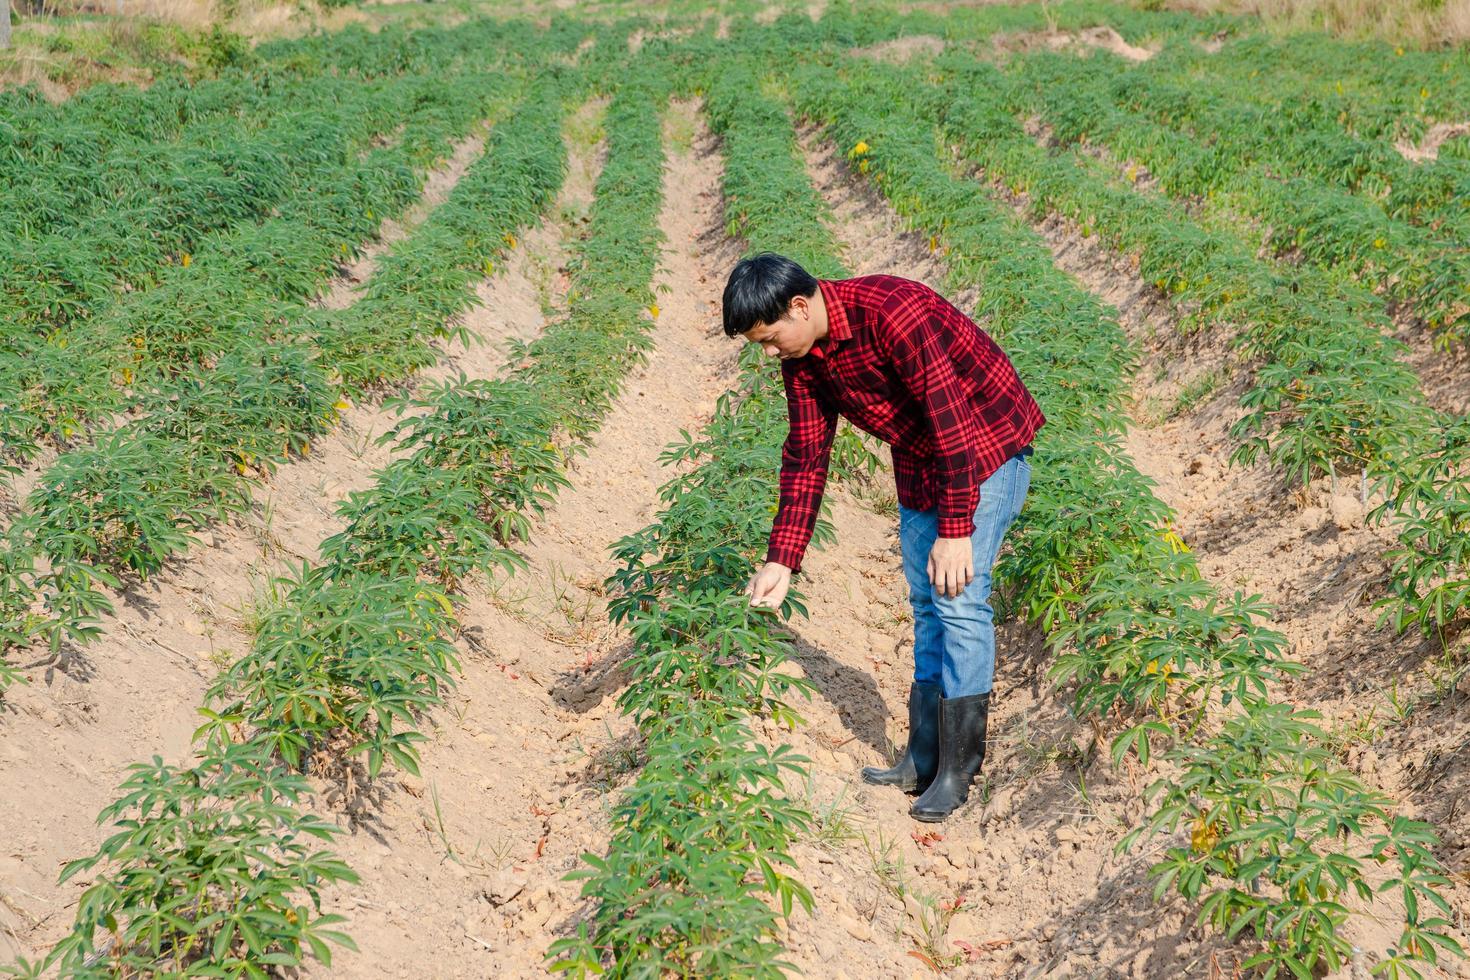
<point>899,361</point>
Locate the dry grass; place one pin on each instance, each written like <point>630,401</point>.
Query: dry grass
<point>1417,23</point>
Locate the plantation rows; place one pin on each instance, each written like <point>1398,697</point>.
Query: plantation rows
<point>238,373</point>
<point>1133,624</point>
<point>195,363</point>
<point>1330,392</point>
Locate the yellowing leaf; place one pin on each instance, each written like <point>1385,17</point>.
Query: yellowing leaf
<point>1175,542</point>
<point>860,148</point>
<point>863,166</point>
<point>654,310</point>
<point>1379,242</point>
<point>341,405</point>
<point>1424,92</point>
<point>1203,836</point>
<point>510,239</point>
<point>369,212</point>
<point>187,260</point>
<point>933,243</point>
<point>489,268</point>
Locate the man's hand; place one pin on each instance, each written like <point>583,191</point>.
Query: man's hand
<point>768,586</point>
<point>951,565</point>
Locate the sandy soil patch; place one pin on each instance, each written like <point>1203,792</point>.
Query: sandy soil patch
<point>902,49</point>
<point>1428,147</point>
<point>1103,38</point>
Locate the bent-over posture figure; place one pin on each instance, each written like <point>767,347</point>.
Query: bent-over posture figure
<point>901,362</point>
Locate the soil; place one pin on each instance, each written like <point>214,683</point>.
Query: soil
<point>1105,38</point>
<point>902,49</point>
<point>1428,147</point>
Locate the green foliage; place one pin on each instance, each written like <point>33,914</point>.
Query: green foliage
<point>214,865</point>
<point>1330,393</point>
<point>130,501</point>
<point>362,644</point>
<point>495,435</point>
<point>352,656</point>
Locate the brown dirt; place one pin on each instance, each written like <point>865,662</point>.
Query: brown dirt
<point>1104,38</point>
<point>1428,147</point>
<point>447,864</point>
<point>902,49</point>
<point>1444,375</point>
<point>69,735</point>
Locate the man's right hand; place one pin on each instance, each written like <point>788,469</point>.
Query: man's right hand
<point>767,587</point>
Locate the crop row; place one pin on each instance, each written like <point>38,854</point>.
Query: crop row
<point>159,201</point>
<point>704,828</point>
<point>361,645</point>
<point>1280,834</point>
<point>241,280</point>
<point>1307,138</point>
<point>106,154</point>
<point>1410,244</point>
<point>1372,88</point>
<point>238,379</point>
<point>1329,394</point>
<point>56,379</point>
<point>212,866</point>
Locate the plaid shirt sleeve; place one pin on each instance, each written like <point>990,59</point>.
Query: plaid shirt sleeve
<point>928,373</point>
<point>804,459</point>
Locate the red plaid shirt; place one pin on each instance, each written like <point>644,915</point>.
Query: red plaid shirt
<point>900,361</point>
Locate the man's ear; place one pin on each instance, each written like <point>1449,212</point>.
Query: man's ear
<point>800,304</point>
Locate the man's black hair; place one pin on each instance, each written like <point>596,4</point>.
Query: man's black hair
<point>761,288</point>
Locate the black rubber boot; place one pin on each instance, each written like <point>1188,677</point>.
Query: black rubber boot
<point>961,754</point>
<point>915,770</point>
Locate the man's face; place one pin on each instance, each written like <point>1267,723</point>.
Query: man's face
<point>791,336</point>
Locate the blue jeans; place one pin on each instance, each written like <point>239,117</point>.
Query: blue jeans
<point>954,637</point>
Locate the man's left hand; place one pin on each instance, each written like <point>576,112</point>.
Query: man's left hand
<point>951,566</point>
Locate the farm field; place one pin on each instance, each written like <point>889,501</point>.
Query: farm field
<point>378,488</point>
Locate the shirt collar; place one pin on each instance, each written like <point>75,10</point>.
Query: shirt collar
<point>838,329</point>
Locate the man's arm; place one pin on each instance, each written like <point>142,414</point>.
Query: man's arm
<point>804,460</point>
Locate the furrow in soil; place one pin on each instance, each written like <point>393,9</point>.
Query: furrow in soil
<point>465,863</point>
